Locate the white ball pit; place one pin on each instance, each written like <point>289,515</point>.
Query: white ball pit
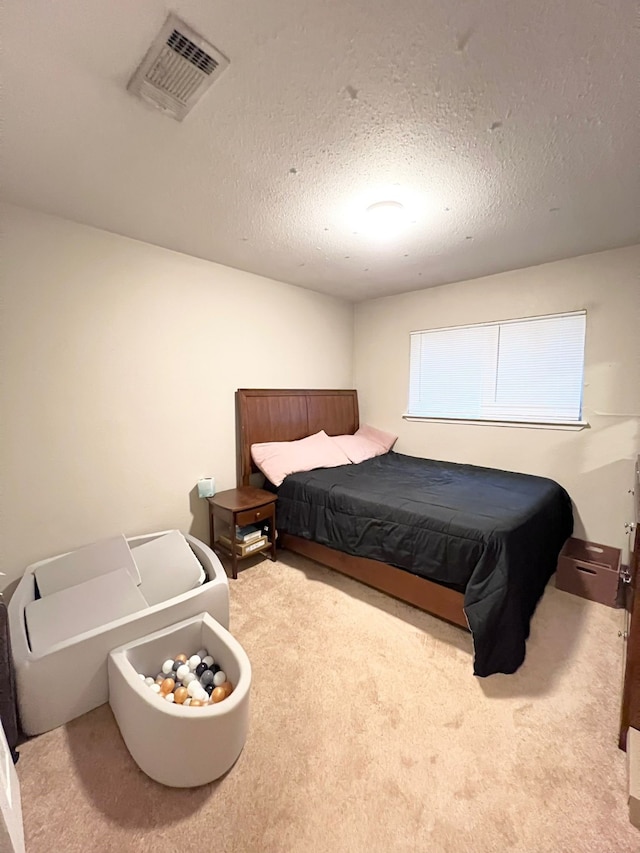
<point>177,746</point>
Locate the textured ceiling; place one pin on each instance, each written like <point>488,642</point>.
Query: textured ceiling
<point>509,128</point>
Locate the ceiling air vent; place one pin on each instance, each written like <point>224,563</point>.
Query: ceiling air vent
<point>177,69</point>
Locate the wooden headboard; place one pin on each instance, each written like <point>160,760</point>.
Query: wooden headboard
<point>287,415</point>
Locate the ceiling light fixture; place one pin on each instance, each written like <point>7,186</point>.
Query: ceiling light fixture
<point>385,219</point>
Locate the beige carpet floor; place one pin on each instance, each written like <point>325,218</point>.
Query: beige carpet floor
<point>368,733</point>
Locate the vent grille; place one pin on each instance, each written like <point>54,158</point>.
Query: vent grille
<point>191,52</point>
<point>169,74</point>
<point>177,69</point>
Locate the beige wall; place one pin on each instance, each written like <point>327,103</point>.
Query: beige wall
<point>120,361</point>
<point>595,465</point>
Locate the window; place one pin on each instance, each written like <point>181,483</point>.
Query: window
<point>522,371</point>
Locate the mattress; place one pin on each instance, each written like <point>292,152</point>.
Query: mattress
<point>494,535</point>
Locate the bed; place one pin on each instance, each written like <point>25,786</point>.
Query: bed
<point>475,546</point>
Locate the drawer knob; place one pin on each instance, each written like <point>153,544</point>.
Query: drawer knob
<point>622,634</point>
<point>257,515</point>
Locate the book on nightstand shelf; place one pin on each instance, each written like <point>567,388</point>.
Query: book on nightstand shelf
<point>242,549</point>
<point>249,533</point>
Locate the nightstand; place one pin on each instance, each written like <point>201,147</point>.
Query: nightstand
<point>237,508</point>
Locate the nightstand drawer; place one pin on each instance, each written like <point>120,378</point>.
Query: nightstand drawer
<point>250,516</point>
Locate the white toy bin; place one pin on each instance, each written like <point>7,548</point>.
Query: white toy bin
<point>176,745</point>
<point>70,678</point>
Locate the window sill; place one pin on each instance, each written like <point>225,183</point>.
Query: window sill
<point>571,426</point>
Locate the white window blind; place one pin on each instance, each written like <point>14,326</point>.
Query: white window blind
<point>528,371</point>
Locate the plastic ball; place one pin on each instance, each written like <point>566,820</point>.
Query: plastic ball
<point>202,653</point>
<point>218,695</point>
<point>169,697</point>
<point>209,689</point>
<point>193,688</point>
<point>202,695</point>
<point>206,677</point>
<point>182,670</point>
<point>227,687</point>
<point>167,685</point>
<point>148,680</point>
<point>219,678</point>
<point>202,667</point>
<point>193,662</point>
<point>155,688</point>
<point>187,701</point>
<point>177,663</point>
<point>208,660</point>
<point>189,677</point>
<point>182,658</point>
<point>167,667</point>
<point>197,702</point>
<point>214,668</point>
<point>141,676</point>
<point>160,677</point>
<point>180,695</point>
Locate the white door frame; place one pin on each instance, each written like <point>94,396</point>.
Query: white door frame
<point>11,829</point>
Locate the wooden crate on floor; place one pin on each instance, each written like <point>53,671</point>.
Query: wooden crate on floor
<point>590,570</point>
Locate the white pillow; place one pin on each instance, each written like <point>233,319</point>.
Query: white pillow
<point>277,459</point>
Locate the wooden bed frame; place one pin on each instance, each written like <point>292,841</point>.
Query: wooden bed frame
<point>287,415</point>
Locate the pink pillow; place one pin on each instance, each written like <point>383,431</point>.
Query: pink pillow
<point>366,443</point>
<point>277,459</point>
<point>384,439</point>
<point>358,448</point>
